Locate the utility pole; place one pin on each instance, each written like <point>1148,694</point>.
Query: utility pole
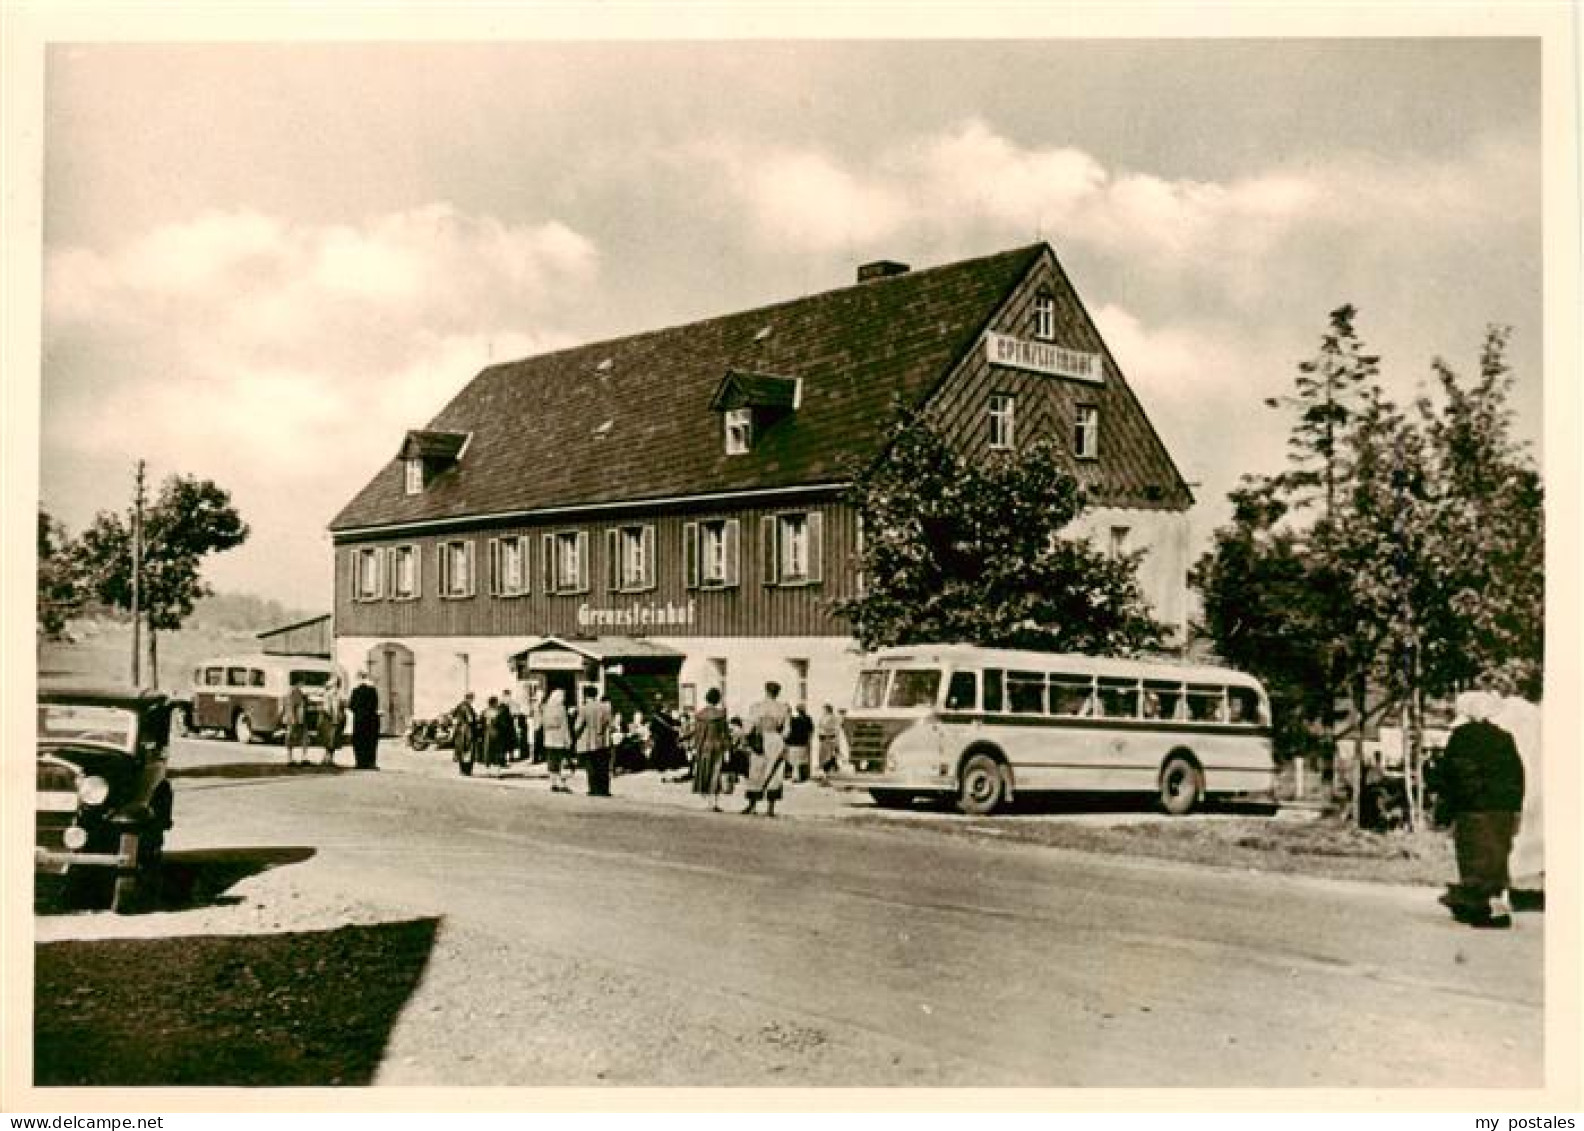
<point>137,579</point>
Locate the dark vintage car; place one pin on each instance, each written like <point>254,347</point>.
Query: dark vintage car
<point>103,802</point>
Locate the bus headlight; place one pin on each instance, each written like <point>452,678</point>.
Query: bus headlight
<point>93,791</point>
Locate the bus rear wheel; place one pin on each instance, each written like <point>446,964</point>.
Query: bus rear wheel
<point>981,787</point>
<point>1181,786</point>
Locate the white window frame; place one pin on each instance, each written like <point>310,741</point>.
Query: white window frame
<point>518,546</point>
<point>413,470</point>
<point>367,574</point>
<point>566,561</point>
<point>450,588</point>
<point>712,550</point>
<point>1086,431</point>
<point>739,431</point>
<point>792,548</point>
<point>1002,411</point>
<point>632,558</point>
<point>409,555</point>
<point>1045,317</point>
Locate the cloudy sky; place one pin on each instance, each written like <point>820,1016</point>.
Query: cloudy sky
<point>262,264</point>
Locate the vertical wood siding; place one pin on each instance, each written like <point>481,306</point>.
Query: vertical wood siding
<point>749,609</point>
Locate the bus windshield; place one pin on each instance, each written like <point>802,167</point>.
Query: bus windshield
<point>914,688</point>
<point>871,689</point>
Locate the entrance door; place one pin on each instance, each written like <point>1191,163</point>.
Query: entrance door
<point>391,671</point>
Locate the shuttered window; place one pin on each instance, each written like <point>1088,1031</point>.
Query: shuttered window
<point>508,566</point>
<point>456,569</point>
<point>630,559</point>
<point>710,551</point>
<point>566,561</point>
<point>791,548</point>
<point>405,573</point>
<point>368,574</point>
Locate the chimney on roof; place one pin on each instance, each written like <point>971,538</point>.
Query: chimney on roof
<point>880,269</point>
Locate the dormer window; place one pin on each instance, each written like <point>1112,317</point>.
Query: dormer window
<point>427,454</point>
<point>1044,317</point>
<point>739,431</point>
<point>752,403</point>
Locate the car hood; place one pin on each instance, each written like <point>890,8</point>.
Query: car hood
<point>105,761</point>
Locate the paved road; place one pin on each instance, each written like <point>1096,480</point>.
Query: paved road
<point>589,941</point>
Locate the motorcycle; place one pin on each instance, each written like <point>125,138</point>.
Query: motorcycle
<point>424,733</point>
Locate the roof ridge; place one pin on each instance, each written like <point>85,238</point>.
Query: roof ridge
<point>692,324</point>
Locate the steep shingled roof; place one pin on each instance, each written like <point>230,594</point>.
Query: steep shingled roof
<point>565,429</point>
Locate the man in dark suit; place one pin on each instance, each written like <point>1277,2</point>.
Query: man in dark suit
<point>365,707</point>
<point>593,731</point>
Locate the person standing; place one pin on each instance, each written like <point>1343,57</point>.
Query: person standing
<point>767,721</point>
<point>464,733</point>
<point>499,734</point>
<point>593,734</point>
<point>332,719</point>
<point>558,741</point>
<point>799,735</point>
<point>829,731</point>
<point>365,707</point>
<point>1482,792</point>
<point>711,744</point>
<point>294,717</point>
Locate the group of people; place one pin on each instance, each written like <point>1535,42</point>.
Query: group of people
<point>362,705</point>
<point>706,747</point>
<point>777,743</point>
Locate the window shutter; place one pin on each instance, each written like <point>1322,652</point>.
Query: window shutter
<point>549,545</point>
<point>650,572</point>
<point>524,563</point>
<point>496,582</point>
<point>583,561</point>
<point>443,569</point>
<point>816,544</point>
<point>770,565</point>
<point>417,561</point>
<point>387,563</point>
<point>690,555</point>
<point>352,558</point>
<point>733,538</point>
<point>858,538</point>
<point>613,563</point>
<point>472,568</point>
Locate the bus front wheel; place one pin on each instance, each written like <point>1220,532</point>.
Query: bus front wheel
<point>1181,786</point>
<point>981,787</point>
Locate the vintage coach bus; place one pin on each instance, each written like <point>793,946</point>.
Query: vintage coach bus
<point>984,724</point>
<point>243,696</point>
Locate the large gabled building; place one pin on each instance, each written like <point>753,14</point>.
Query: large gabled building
<point>664,513</point>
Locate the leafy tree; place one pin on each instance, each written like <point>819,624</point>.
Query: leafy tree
<point>972,550</point>
<point>59,597</point>
<point>1489,529</point>
<point>191,519</point>
<point>1264,608</point>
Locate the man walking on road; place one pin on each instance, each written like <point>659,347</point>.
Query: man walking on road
<point>593,729</point>
<point>1482,790</point>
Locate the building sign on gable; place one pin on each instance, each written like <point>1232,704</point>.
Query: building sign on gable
<point>1043,357</point>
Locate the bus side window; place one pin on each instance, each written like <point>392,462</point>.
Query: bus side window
<point>992,689</point>
<point>962,694</point>
<point>214,677</point>
<point>236,677</point>
<point>1026,693</point>
<point>1119,699</point>
<point>1163,700</point>
<point>256,678</point>
<point>1206,704</point>
<point>1071,695</point>
<point>1243,705</point>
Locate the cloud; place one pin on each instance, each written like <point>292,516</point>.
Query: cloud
<point>286,361</point>
<point>1225,241</point>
